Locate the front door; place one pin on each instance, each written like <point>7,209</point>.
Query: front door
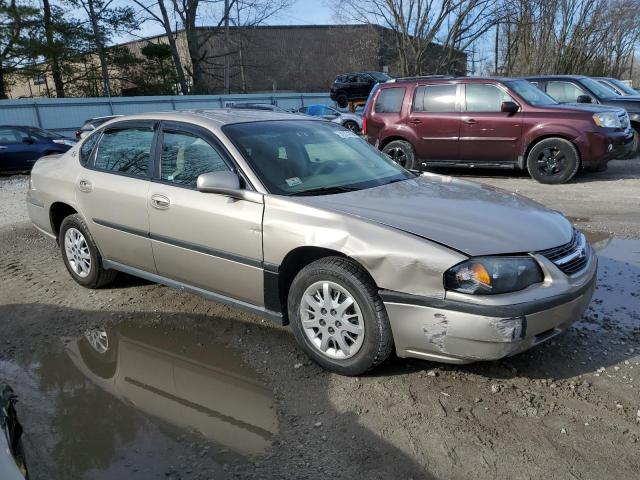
<point>435,120</point>
<point>205,240</point>
<point>487,134</point>
<point>112,193</point>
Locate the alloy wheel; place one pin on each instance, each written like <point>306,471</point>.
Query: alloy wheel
<point>77,252</point>
<point>332,320</point>
<point>551,161</point>
<point>98,339</point>
<point>398,155</point>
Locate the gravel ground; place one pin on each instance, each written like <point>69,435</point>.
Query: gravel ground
<point>568,409</point>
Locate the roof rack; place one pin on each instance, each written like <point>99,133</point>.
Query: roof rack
<point>419,77</point>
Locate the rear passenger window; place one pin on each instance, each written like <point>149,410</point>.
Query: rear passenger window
<point>485,98</point>
<point>186,156</point>
<point>435,98</point>
<point>389,100</point>
<point>87,148</point>
<point>125,150</point>
<point>564,92</point>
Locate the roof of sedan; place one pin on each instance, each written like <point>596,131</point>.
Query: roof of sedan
<point>222,116</point>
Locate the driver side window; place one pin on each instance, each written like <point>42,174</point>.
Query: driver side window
<point>185,156</point>
<point>564,92</point>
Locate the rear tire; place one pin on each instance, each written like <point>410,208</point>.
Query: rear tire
<point>553,161</point>
<point>342,100</point>
<point>352,334</point>
<point>80,254</point>
<point>351,125</point>
<point>635,146</point>
<point>402,153</point>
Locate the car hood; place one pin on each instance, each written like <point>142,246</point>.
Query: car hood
<point>472,218</point>
<point>630,103</point>
<point>585,107</point>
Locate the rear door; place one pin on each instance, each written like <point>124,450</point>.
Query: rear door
<point>435,119</point>
<point>487,134</point>
<point>206,240</point>
<point>112,193</point>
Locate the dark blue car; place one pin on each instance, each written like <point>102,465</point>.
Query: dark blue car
<point>20,147</point>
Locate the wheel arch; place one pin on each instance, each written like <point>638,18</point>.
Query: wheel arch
<point>57,213</point>
<point>392,138</point>
<point>293,262</point>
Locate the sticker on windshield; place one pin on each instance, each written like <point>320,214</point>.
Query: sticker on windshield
<point>345,134</point>
<point>293,181</point>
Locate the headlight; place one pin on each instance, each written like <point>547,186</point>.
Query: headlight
<point>64,141</point>
<point>607,119</point>
<point>493,275</point>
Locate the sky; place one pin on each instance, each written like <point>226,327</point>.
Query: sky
<point>302,12</point>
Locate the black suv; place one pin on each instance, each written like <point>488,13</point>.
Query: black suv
<point>349,87</point>
<point>581,89</point>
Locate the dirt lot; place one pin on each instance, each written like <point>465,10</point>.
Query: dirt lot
<point>204,391</point>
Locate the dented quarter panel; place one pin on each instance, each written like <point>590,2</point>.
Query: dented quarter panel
<point>395,259</point>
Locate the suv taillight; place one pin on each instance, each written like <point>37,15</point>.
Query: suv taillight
<point>364,124</point>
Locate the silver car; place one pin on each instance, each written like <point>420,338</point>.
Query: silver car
<point>349,120</point>
<point>302,222</point>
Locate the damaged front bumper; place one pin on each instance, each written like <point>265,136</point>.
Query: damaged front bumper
<point>452,330</point>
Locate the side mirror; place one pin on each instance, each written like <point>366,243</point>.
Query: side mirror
<point>226,183</point>
<point>28,140</point>
<point>584,99</point>
<point>509,107</point>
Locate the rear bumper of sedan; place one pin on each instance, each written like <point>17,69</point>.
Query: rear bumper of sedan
<point>452,331</point>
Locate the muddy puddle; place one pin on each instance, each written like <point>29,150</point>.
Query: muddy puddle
<point>139,395</point>
<point>616,302</point>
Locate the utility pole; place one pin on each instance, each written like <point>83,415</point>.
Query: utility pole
<point>227,88</point>
<point>495,68</point>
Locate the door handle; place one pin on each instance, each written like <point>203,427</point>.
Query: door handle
<point>415,121</point>
<point>160,202</point>
<point>470,121</point>
<point>3,147</point>
<point>85,185</point>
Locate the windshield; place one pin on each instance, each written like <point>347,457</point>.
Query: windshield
<point>295,156</point>
<point>530,93</point>
<point>623,86</point>
<point>379,76</point>
<point>598,89</point>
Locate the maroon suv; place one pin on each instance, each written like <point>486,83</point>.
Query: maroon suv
<point>493,122</point>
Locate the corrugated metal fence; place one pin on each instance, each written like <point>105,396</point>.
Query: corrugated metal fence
<point>65,115</point>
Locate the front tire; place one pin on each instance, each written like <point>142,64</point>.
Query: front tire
<point>635,145</point>
<point>402,153</point>
<point>338,318</point>
<point>553,161</point>
<point>80,254</point>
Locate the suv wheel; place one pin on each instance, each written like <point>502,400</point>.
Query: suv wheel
<point>80,254</point>
<point>342,100</point>
<point>635,145</point>
<point>553,161</point>
<point>338,318</point>
<point>402,153</point>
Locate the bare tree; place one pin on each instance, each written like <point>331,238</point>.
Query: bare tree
<point>418,24</point>
<point>161,16</point>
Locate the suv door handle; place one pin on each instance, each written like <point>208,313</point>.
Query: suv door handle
<point>160,202</point>
<point>415,121</point>
<point>2,147</point>
<point>470,121</point>
<point>85,185</point>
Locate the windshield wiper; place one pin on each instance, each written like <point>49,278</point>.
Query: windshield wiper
<point>323,191</point>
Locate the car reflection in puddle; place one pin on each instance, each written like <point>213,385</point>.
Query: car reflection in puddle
<point>127,396</point>
<point>616,302</point>
<point>170,377</point>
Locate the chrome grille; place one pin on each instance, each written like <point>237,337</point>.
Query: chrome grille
<point>571,257</point>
